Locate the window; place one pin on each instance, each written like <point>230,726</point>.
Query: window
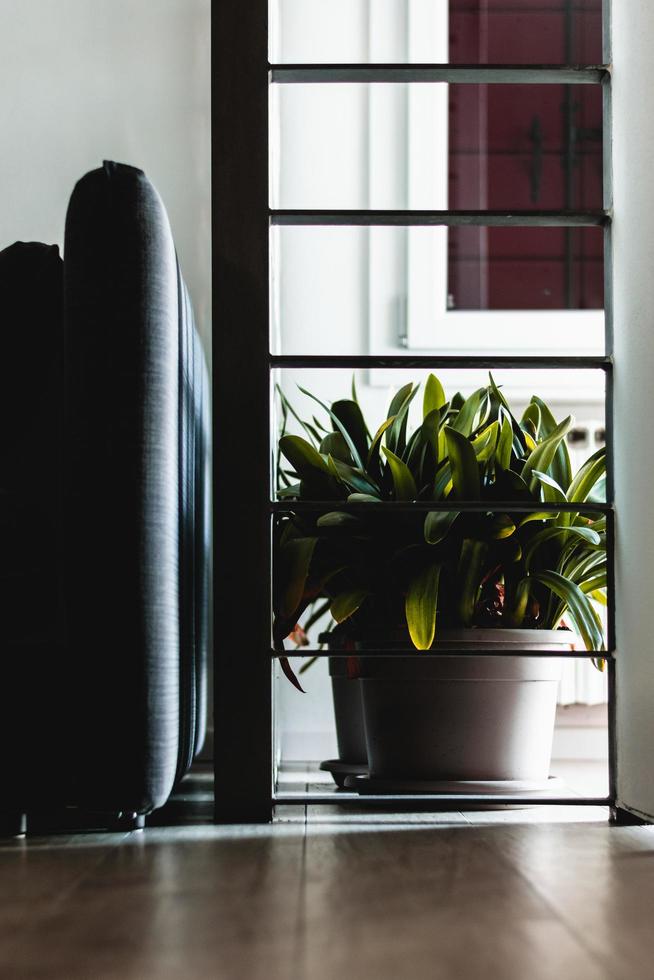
<point>399,202</point>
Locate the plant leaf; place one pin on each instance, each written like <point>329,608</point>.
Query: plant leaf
<point>502,526</point>
<point>434,396</point>
<point>396,435</point>
<point>347,603</point>
<point>541,458</point>
<point>398,399</point>
<point>333,444</point>
<point>484,444</point>
<point>464,420</point>
<point>288,409</point>
<point>586,534</point>
<point>405,485</point>
<point>338,425</point>
<point>301,455</point>
<point>420,607</point>
<point>337,518</point>
<point>587,476</point>
<point>560,467</point>
<point>374,447</point>
<point>552,491</point>
<point>465,469</point>
<point>350,417</point>
<point>471,562</point>
<point>504,445</point>
<point>581,611</point>
<point>531,420</point>
<point>290,674</point>
<point>357,480</point>
<point>438,524</point>
<point>295,557</point>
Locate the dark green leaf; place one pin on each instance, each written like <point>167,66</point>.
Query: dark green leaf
<point>403,482</point>
<point>542,457</point>
<point>465,418</point>
<point>333,444</point>
<point>465,469</point>
<point>437,525</point>
<point>560,468</point>
<point>339,426</point>
<point>396,435</point>
<point>295,559</point>
<point>547,534</point>
<point>301,455</point>
<point>583,615</point>
<point>347,603</point>
<point>398,400</point>
<point>350,417</point>
<point>471,562</point>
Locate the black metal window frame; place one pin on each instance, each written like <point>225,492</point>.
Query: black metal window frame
<point>242,365</point>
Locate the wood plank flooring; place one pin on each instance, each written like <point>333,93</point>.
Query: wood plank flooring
<point>529,894</point>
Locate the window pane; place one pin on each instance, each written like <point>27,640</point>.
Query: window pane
<point>437,146</point>
<point>570,391</point>
<point>357,290</point>
<point>462,31</point>
<point>525,269</point>
<point>554,33</point>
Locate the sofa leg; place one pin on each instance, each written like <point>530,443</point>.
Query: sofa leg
<point>128,821</point>
<point>13,824</point>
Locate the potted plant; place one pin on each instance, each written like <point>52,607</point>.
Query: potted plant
<point>418,578</point>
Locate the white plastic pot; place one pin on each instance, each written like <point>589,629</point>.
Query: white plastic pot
<point>466,717</point>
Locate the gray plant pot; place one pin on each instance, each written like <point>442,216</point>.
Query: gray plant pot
<point>464,718</point>
<point>348,713</point>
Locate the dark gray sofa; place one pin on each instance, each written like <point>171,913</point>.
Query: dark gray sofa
<point>119,572</point>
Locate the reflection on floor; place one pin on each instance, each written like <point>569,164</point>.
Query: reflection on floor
<point>571,779</point>
<point>504,895</point>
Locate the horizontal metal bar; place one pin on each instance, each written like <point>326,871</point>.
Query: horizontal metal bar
<point>444,651</point>
<point>494,219</point>
<point>427,798</point>
<point>438,362</point>
<point>463,74</point>
<point>446,506</point>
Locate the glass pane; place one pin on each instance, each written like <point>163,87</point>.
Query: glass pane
<point>525,269</point>
<point>353,290</point>
<point>436,146</point>
<point>462,31</point>
<point>346,459</point>
<point>568,392</point>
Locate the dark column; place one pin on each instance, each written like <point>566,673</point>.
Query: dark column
<point>243,741</point>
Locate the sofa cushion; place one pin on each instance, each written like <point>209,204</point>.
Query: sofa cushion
<point>122,490</point>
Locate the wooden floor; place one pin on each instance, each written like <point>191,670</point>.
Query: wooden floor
<point>526,894</point>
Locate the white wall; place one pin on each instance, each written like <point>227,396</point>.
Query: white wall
<point>125,80</point>
<point>633,151</point>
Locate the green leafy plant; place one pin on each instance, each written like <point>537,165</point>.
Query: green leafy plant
<point>372,569</point>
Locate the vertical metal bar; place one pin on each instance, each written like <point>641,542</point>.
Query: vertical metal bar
<point>613,754</point>
<point>607,52</point>
<point>241,407</point>
<point>569,157</point>
<point>610,580</point>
